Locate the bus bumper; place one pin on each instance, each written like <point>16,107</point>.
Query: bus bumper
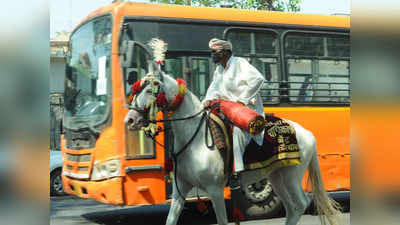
<point>106,191</point>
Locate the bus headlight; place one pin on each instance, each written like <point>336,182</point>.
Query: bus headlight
<point>106,169</point>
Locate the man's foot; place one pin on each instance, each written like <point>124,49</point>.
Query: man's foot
<point>234,182</point>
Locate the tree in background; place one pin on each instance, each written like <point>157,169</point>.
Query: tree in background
<point>272,5</point>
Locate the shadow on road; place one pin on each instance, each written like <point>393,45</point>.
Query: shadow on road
<point>148,215</point>
<point>61,203</point>
<point>72,210</point>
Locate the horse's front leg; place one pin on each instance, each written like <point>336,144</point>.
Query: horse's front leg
<point>178,201</point>
<point>217,197</point>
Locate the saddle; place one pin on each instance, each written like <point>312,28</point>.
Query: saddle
<point>279,149</point>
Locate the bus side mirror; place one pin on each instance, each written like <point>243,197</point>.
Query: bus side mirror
<point>127,53</point>
<point>133,53</point>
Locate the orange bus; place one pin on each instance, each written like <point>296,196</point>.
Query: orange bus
<point>304,58</point>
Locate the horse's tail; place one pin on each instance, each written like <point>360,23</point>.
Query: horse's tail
<point>325,205</point>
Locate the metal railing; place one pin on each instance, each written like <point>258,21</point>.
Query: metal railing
<point>56,117</point>
<point>274,92</point>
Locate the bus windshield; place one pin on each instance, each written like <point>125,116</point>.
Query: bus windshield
<point>88,80</point>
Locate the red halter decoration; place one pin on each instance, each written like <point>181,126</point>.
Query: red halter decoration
<point>136,88</point>
<point>177,101</point>
<point>161,101</point>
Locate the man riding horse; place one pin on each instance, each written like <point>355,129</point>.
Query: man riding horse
<point>235,79</point>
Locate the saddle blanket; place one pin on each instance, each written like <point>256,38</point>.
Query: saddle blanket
<point>279,148</point>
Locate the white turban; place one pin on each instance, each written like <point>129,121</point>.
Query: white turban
<point>217,44</point>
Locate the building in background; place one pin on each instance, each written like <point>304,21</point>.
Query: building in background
<point>58,49</point>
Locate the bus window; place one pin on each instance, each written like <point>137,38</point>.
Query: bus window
<point>260,48</point>
<point>173,67</point>
<point>318,67</point>
<point>138,146</point>
<point>194,68</point>
<point>200,76</point>
<point>269,68</point>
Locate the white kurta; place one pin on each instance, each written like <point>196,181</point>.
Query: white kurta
<point>238,82</point>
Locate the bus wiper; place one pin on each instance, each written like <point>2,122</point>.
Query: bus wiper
<point>95,132</point>
<point>70,103</point>
<point>75,96</point>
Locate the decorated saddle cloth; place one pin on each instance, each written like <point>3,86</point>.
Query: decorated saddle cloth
<point>280,148</point>
<point>221,131</point>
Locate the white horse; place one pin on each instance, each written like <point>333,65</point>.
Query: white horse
<point>198,166</point>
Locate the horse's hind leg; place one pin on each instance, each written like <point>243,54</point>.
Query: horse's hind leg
<point>178,201</point>
<point>287,185</point>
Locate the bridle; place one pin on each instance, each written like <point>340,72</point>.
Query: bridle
<point>158,101</point>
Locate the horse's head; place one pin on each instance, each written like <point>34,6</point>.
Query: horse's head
<point>151,95</point>
<point>155,92</point>
<point>147,99</point>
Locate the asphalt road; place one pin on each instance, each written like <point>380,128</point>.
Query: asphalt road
<point>69,210</point>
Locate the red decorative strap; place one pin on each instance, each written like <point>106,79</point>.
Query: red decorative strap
<point>168,165</point>
<point>136,87</point>
<point>237,215</point>
<point>161,102</point>
<point>181,81</point>
<point>201,206</point>
<point>177,101</point>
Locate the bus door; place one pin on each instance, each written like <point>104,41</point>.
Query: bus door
<point>144,181</point>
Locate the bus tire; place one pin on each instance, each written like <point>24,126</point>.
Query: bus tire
<point>258,200</point>
<point>56,186</point>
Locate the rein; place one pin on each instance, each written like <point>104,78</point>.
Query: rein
<point>180,119</point>
<point>205,115</point>
<point>184,118</point>
<point>183,148</point>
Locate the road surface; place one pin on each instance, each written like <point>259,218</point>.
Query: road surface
<point>69,210</point>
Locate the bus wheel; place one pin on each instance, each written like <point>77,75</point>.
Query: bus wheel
<point>56,186</point>
<point>260,201</point>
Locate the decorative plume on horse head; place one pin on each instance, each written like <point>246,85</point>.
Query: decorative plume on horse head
<point>159,48</point>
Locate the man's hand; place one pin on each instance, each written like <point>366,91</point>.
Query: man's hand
<point>206,103</point>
